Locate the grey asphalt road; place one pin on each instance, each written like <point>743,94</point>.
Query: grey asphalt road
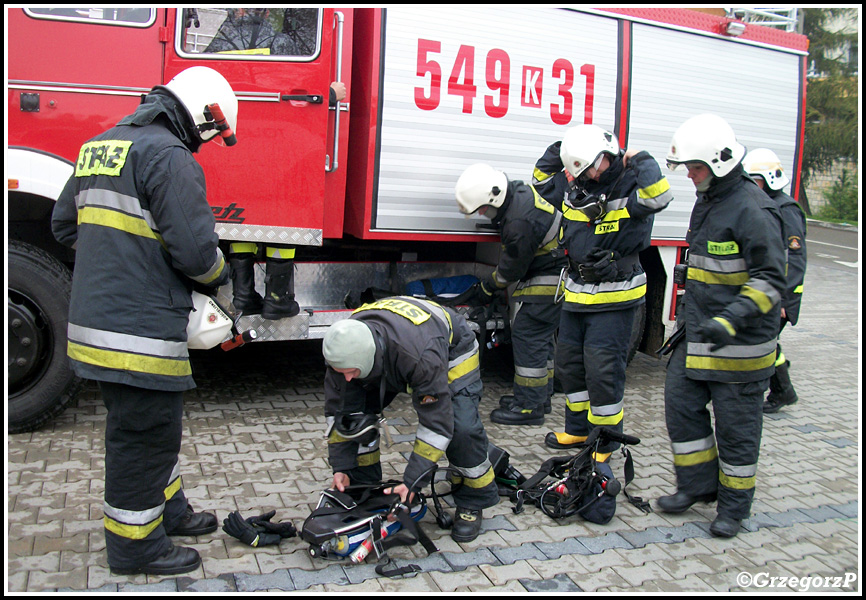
<point>833,247</point>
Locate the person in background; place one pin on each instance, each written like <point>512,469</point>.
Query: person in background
<point>766,169</point>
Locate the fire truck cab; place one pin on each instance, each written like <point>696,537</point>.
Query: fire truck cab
<point>364,189</point>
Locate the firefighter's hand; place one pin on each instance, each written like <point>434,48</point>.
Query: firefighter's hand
<point>237,527</point>
<point>600,265</point>
<point>401,490</point>
<point>339,90</point>
<point>341,482</point>
<point>715,332</point>
<point>480,295</point>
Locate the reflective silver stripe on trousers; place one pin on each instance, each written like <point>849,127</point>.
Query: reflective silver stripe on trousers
<point>438,441</point>
<point>694,446</point>
<point>577,397</point>
<point>473,472</point>
<point>738,470</point>
<point>607,410</point>
<point>532,372</point>
<point>133,517</point>
<point>125,342</point>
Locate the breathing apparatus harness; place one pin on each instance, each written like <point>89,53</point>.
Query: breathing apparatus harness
<point>580,484</point>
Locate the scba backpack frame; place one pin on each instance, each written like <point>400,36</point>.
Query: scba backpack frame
<point>580,484</point>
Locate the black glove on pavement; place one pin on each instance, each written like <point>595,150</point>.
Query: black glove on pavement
<point>257,531</point>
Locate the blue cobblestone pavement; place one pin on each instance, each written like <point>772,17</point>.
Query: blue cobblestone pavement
<point>254,441</point>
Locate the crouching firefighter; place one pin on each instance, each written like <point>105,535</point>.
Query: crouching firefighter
<point>407,344</point>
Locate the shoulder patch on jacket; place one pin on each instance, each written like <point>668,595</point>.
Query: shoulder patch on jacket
<point>429,399</point>
<point>794,242</point>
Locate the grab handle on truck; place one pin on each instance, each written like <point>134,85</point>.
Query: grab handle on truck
<point>331,165</point>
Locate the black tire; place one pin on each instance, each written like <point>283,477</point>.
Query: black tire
<point>41,381</point>
<point>637,331</point>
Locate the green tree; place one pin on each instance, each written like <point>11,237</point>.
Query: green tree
<point>832,115</point>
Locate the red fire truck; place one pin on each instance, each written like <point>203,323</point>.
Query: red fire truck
<point>364,190</point>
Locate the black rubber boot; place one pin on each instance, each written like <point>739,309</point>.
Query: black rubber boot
<point>517,415</point>
<point>177,560</point>
<point>781,390</point>
<point>681,501</point>
<point>725,527</point>
<point>195,523</point>
<point>280,289</point>
<point>245,299</point>
<point>467,524</point>
<point>507,402</point>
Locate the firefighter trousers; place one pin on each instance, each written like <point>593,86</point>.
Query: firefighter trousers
<point>467,452</point>
<point>143,494</point>
<point>532,341</point>
<point>591,359</point>
<point>724,461</point>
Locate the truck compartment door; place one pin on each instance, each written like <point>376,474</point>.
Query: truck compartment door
<point>269,187</point>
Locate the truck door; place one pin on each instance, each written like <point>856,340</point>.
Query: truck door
<point>75,72</point>
<point>270,186</point>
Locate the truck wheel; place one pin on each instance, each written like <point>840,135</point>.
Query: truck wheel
<point>637,331</point>
<point>41,381</point>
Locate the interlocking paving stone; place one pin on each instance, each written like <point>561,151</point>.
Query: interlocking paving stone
<point>460,561</point>
<point>254,440</point>
<point>605,542</point>
<point>278,580</point>
<point>557,549</point>
<point>523,552</point>
<point>560,583</point>
<point>222,583</point>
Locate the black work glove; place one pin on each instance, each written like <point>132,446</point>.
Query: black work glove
<point>284,530</point>
<point>480,296</point>
<point>600,265</point>
<point>712,331</point>
<point>257,531</point>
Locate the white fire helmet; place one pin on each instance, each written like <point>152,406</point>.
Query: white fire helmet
<point>199,87</point>
<point>707,139</point>
<point>583,147</point>
<point>763,162</point>
<point>480,185</point>
<point>208,324</point>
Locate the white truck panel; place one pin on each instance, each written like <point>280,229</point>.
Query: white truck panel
<point>423,152</point>
<point>677,75</point>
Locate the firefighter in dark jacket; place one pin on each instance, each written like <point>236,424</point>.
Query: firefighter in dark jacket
<point>530,257</point>
<point>135,210</point>
<point>731,312</point>
<point>609,197</point>
<point>405,344</point>
<point>766,169</point>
